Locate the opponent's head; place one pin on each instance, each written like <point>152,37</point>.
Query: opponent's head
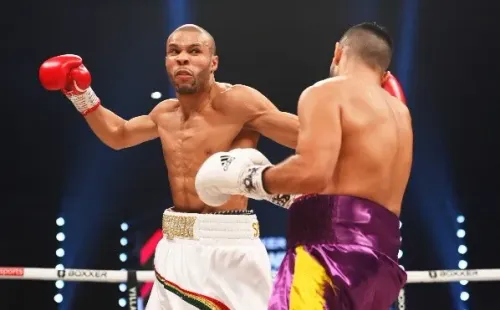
<point>191,59</point>
<point>368,43</point>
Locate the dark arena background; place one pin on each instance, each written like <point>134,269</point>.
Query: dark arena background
<point>70,202</point>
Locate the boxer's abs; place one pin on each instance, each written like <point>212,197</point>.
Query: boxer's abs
<point>185,198</point>
<point>184,156</point>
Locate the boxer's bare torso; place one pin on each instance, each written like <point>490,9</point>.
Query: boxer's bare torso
<point>377,142</point>
<point>221,118</point>
<point>206,117</point>
<point>355,139</point>
<point>187,141</point>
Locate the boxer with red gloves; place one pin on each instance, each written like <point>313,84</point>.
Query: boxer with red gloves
<point>352,161</point>
<point>210,257</point>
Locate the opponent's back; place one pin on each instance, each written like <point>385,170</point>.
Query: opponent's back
<point>377,144</point>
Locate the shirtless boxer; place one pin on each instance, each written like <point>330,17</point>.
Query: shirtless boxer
<point>353,162</point>
<point>210,258</point>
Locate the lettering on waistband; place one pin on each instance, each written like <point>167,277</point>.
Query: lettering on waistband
<point>233,212</point>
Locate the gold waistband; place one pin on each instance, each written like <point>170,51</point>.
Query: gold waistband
<point>178,226</point>
<point>183,226</point>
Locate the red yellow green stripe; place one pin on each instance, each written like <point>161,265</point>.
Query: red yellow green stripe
<point>201,302</point>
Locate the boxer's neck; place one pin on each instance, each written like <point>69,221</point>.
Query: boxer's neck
<point>196,102</point>
<point>359,70</point>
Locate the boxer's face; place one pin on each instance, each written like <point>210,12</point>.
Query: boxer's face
<point>190,62</point>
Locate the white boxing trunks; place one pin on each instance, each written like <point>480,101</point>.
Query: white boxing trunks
<point>210,262</point>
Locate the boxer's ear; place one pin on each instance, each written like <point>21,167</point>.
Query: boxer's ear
<point>337,54</point>
<point>214,64</point>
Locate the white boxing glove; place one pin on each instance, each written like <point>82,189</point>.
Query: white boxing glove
<point>219,176</point>
<point>238,172</point>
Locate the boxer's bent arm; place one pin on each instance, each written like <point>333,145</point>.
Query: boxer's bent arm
<point>264,117</point>
<point>118,133</point>
<point>278,126</point>
<point>247,138</point>
<point>320,136</point>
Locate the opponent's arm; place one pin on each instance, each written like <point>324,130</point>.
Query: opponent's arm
<point>250,173</point>
<point>68,74</point>
<point>264,117</point>
<point>310,170</point>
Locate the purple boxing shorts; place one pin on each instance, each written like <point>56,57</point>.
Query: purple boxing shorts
<point>342,255</point>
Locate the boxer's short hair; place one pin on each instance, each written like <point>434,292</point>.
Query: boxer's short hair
<point>371,42</point>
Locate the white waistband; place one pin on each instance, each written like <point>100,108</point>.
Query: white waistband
<point>197,226</point>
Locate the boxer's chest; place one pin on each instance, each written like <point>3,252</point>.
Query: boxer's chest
<point>199,134</point>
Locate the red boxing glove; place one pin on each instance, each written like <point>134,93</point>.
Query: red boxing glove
<point>67,74</point>
<point>392,86</point>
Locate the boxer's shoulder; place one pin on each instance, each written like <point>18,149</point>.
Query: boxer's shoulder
<point>233,91</point>
<point>396,104</point>
<point>166,106</point>
<point>237,98</point>
<point>324,90</point>
<point>331,81</point>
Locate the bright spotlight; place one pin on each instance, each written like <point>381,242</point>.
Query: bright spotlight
<point>58,298</point>
<point>464,296</point>
<point>460,233</point>
<point>60,221</point>
<point>122,287</point>
<point>60,252</point>
<point>123,257</point>
<point>122,302</point>
<point>462,264</point>
<point>59,284</point>
<point>60,236</point>
<point>156,95</point>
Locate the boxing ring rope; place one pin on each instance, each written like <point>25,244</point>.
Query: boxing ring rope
<point>122,276</point>
<point>132,277</point>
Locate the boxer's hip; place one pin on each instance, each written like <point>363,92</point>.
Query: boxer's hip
<point>337,277</point>
<point>211,259</point>
<point>343,220</point>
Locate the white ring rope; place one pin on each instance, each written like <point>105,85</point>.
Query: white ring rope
<point>121,276</point>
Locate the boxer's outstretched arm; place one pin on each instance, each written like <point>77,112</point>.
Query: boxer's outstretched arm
<point>119,133</point>
<point>320,136</point>
<point>264,117</point>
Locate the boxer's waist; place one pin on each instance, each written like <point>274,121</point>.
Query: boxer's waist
<point>197,226</point>
<point>334,219</point>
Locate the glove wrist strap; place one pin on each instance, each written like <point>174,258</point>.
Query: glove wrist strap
<point>253,186</point>
<point>251,181</point>
<point>282,200</point>
<point>85,102</point>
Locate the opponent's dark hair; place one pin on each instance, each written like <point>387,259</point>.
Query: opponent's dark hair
<point>371,42</point>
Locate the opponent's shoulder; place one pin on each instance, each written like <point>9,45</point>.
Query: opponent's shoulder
<point>326,91</point>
